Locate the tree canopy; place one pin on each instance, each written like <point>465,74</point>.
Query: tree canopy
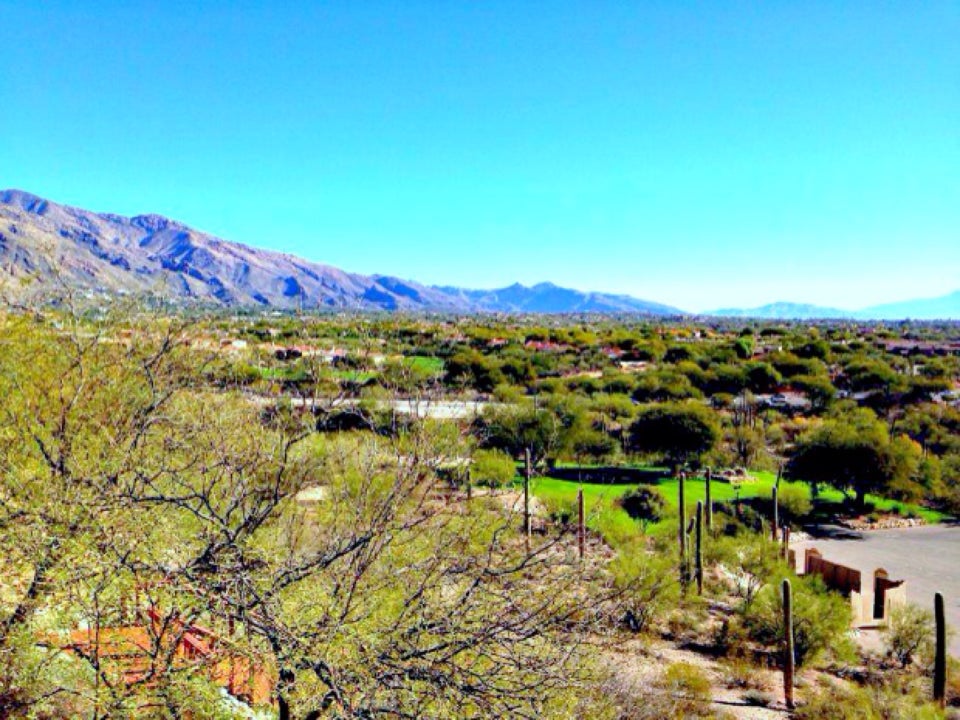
<point>678,431</point>
<point>855,453</point>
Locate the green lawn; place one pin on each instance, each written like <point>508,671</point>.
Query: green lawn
<point>427,363</point>
<point>291,374</point>
<point>606,516</point>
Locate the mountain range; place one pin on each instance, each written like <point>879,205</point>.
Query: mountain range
<point>102,254</point>
<point>46,247</point>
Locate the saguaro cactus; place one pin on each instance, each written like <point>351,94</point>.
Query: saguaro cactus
<point>788,656</point>
<point>707,477</point>
<point>528,470</point>
<point>698,554</point>
<point>940,661</point>
<point>581,530</point>
<point>776,517</point>
<point>785,548</point>
<point>682,531</point>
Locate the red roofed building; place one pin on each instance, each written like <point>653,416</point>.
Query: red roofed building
<point>141,654</point>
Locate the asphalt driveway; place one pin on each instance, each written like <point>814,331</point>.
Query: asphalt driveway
<point>928,558</point>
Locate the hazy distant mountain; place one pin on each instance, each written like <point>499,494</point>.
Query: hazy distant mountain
<point>938,308</point>
<point>549,298</point>
<point>99,254</point>
<point>783,311</point>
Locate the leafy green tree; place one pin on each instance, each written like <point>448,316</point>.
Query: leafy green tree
<point>790,366</point>
<point>664,385</point>
<point>516,429</point>
<point>854,453</point>
<point>864,374</point>
<point>818,389</point>
<point>818,349</point>
<point>679,432</point>
<point>645,504</point>
<point>470,368</point>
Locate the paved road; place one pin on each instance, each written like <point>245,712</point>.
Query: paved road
<point>928,558</point>
<point>437,409</point>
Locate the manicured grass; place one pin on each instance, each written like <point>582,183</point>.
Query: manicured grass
<point>427,363</point>
<point>291,374</point>
<point>604,515</point>
<point>357,376</point>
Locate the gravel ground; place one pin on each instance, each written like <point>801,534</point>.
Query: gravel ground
<point>643,662</point>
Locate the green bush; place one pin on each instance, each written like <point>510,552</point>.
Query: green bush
<point>910,634</point>
<point>649,584</point>
<point>821,620</point>
<point>794,500</point>
<point>492,468</point>
<point>686,680</point>
<point>885,702</point>
<point>643,503</point>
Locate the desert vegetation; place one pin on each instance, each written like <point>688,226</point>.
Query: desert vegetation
<point>332,516</point>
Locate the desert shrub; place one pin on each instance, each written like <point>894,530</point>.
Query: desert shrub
<point>731,640</point>
<point>759,698</point>
<point>821,620</point>
<point>560,510</point>
<point>649,584</point>
<point>751,561</point>
<point>686,693</point>
<point>635,700</point>
<point>910,634</point>
<point>794,500</point>
<point>953,682</point>
<point>686,679</point>
<point>885,702</point>
<point>740,674</point>
<point>492,468</point>
<point>643,503</point>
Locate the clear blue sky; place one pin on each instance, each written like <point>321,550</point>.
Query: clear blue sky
<point>700,154</point>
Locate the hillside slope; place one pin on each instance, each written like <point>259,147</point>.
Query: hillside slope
<point>105,254</point>
<point>46,247</point>
<point>549,298</point>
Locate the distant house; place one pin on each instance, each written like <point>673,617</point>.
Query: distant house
<point>927,348</point>
<point>545,346</point>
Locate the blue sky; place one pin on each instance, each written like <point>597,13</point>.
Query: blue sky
<point>699,154</point>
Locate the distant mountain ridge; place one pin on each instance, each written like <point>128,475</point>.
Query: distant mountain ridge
<point>783,311</point>
<point>49,246</point>
<point>946,307</point>
<point>546,297</point>
<point>104,255</point>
